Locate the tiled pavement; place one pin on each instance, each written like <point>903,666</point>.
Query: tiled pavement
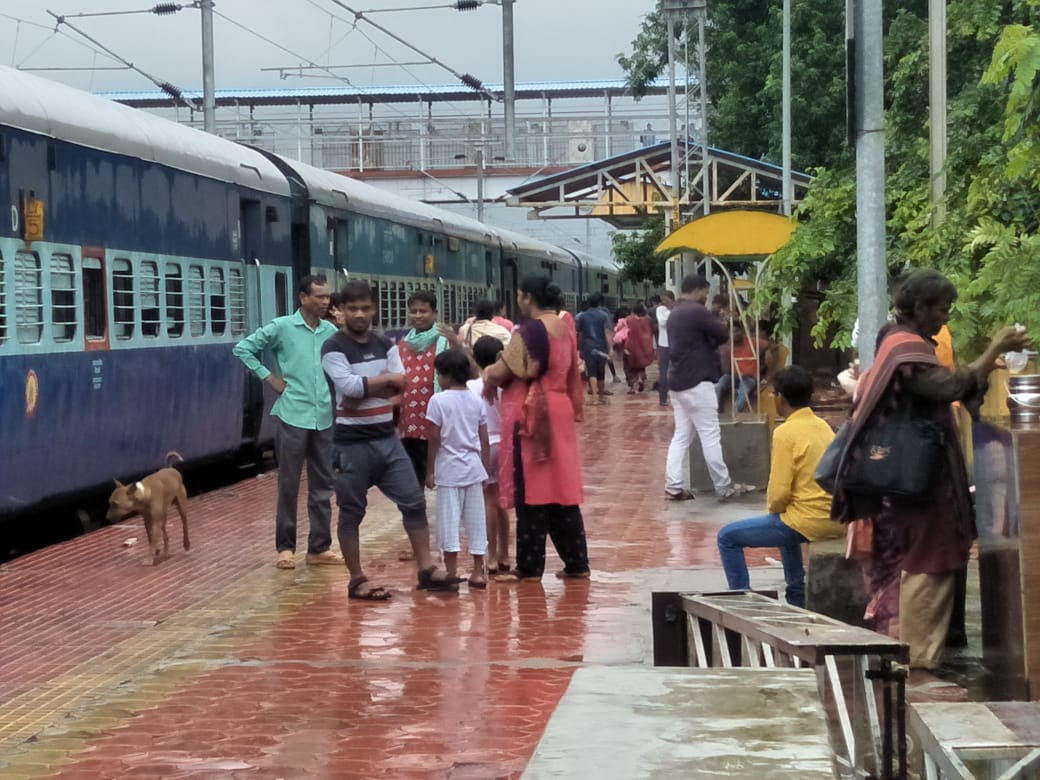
<point>217,665</point>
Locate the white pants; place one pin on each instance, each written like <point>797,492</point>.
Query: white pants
<point>696,415</point>
<point>461,506</point>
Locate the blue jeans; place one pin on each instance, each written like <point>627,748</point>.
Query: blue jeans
<point>763,531</point>
<point>744,387</point>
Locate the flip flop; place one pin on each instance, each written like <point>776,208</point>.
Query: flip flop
<point>427,582</point>
<point>478,585</point>
<point>682,495</point>
<point>377,593</point>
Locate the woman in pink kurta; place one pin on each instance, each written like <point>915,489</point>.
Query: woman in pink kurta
<point>639,349</point>
<point>539,463</point>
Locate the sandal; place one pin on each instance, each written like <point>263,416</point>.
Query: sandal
<point>428,582</point>
<point>374,593</point>
<point>563,574</point>
<point>478,584</point>
<point>682,495</point>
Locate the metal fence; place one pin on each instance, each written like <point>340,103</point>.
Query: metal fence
<point>400,145</point>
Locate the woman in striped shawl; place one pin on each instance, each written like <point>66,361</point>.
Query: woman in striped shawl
<point>920,543</point>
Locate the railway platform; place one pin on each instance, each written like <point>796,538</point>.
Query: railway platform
<point>215,664</point>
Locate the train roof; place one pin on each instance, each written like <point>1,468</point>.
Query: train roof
<point>334,189</point>
<point>58,111</point>
<point>531,245</point>
<point>595,261</point>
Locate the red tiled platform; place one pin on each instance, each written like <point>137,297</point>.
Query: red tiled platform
<point>215,664</point>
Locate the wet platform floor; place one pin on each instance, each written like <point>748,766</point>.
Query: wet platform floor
<point>217,665</point>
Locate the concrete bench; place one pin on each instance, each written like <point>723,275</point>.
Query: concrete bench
<point>834,585</point>
<point>737,628</point>
<point>635,723</point>
<point>978,741</point>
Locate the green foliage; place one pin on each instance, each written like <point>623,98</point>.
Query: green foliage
<point>744,76</point>
<point>634,252</point>
<point>988,242</point>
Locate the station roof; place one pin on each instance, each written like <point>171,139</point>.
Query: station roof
<point>623,188</point>
<point>411,93</point>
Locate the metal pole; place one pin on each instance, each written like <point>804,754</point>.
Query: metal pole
<point>209,102</point>
<point>870,175</point>
<point>480,185</point>
<point>937,106</point>
<point>673,133</point>
<point>702,77</point>
<point>508,76</point>
<point>786,121</point>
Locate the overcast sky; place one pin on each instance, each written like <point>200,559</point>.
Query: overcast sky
<point>557,40</point>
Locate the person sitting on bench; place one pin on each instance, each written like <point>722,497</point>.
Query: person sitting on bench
<point>799,509</point>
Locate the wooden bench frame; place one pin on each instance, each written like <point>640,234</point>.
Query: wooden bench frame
<point>736,628</point>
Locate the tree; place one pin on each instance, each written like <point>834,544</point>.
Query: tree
<point>743,66</point>
<point>634,252</point>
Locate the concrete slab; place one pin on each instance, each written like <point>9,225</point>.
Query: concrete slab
<point>656,723</point>
<point>745,448</point>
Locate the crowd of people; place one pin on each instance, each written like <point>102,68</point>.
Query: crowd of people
<point>486,417</point>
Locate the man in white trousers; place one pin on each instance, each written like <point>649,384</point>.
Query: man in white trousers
<point>694,336</point>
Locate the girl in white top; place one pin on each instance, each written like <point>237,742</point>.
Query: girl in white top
<point>485,353</point>
<point>458,464</point>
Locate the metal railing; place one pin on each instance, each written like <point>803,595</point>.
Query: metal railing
<point>445,143</point>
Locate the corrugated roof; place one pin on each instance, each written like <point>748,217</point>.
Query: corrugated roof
<point>385,94</point>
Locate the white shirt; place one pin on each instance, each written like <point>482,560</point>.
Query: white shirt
<point>662,323</point>
<point>494,417</point>
<point>459,414</point>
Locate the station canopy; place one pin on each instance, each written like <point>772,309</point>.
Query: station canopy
<point>624,188</point>
<point>736,233</point>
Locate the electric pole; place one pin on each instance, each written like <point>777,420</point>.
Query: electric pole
<point>508,76</point>
<point>209,102</point>
<point>871,266</point>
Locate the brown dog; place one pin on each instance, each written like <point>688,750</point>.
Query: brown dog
<point>151,498</point>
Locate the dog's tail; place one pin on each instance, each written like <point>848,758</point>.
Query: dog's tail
<point>173,457</point>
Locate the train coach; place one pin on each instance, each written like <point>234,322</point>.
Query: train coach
<point>134,254</point>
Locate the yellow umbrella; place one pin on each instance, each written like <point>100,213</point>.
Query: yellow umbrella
<point>729,233</point>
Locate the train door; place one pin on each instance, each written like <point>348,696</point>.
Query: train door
<point>510,282</point>
<point>95,300</point>
<point>267,291</point>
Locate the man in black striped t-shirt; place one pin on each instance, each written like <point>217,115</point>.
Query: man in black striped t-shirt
<point>366,378</point>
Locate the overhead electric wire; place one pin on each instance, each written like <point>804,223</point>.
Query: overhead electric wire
<point>453,106</point>
<point>48,28</point>
<point>470,81</point>
<point>170,89</point>
<point>309,62</point>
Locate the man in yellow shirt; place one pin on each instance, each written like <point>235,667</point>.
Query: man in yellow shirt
<point>799,510</point>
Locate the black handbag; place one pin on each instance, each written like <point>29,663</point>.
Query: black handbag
<point>827,469</point>
<point>896,454</point>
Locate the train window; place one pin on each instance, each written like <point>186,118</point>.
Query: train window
<point>196,301</point>
<point>123,298</point>
<point>3,302</point>
<point>385,308</point>
<point>281,295</point>
<point>28,297</point>
<point>174,288</point>
<point>94,319</point>
<point>63,298</point>
<point>237,301</point>
<point>150,313</point>
<point>217,301</point>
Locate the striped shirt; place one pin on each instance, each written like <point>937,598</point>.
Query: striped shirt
<point>349,364</point>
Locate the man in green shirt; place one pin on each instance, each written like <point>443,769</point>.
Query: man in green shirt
<point>303,424</point>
